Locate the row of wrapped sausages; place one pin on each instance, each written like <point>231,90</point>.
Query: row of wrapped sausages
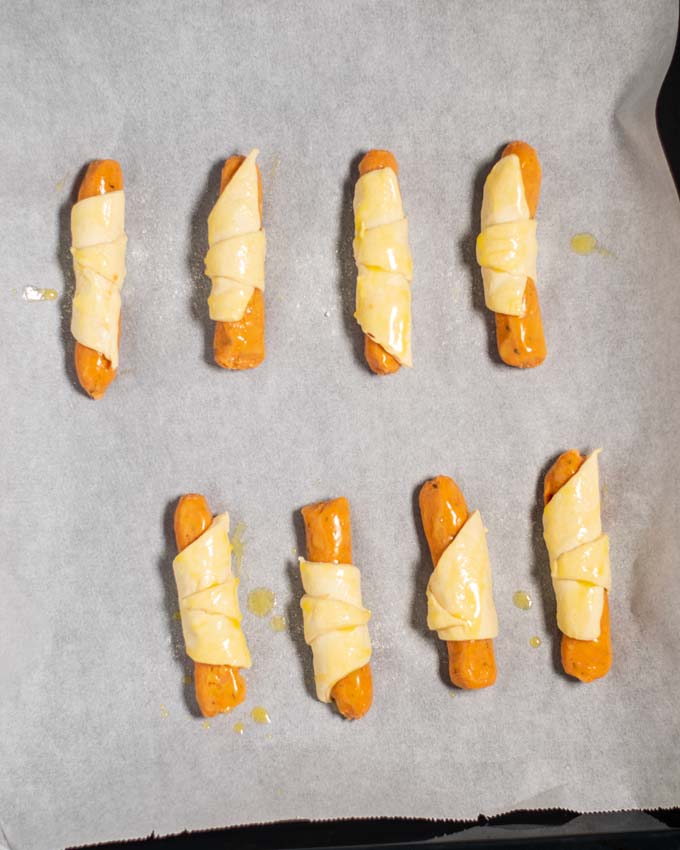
<point>460,606</point>
<point>506,252</point>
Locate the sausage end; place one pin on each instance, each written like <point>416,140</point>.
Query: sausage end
<point>472,664</point>
<point>520,339</point>
<point>218,687</point>
<point>353,694</point>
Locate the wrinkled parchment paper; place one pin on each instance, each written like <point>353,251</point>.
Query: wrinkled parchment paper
<point>99,733</point>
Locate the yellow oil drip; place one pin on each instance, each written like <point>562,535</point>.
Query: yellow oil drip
<point>32,293</point>
<point>238,546</point>
<point>261,601</point>
<point>239,728</point>
<point>176,615</point>
<point>583,243</point>
<point>206,724</point>
<point>278,623</point>
<point>164,711</point>
<point>535,641</point>
<point>187,679</point>
<point>522,600</point>
<point>586,243</point>
<point>260,715</point>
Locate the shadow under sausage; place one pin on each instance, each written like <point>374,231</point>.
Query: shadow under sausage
<point>197,249</point>
<point>66,265</point>
<point>468,254</point>
<point>294,612</point>
<point>171,605</point>
<point>541,571</point>
<point>347,274</point>
<point>422,570</point>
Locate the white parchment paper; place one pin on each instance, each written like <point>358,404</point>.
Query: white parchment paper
<point>98,733</point>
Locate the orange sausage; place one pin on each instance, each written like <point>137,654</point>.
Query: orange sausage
<point>219,687</point>
<point>584,659</point>
<point>328,533</point>
<point>379,361</point>
<point>520,339</point>
<point>443,513</point>
<point>240,345</point>
<point>94,371</point>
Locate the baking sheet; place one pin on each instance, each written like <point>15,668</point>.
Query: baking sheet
<point>99,735</point>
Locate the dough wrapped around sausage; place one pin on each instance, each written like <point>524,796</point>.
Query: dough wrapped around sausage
<point>208,599</point>
<point>335,622</point>
<point>384,265</point>
<point>579,552</point>
<point>98,248</point>
<point>237,245</point>
<point>507,246</point>
<point>460,602</point>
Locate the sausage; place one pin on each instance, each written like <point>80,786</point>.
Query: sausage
<point>328,533</point>
<point>94,370</point>
<point>584,659</point>
<point>379,361</point>
<point>240,345</point>
<point>219,687</point>
<point>520,339</point>
<point>443,513</point>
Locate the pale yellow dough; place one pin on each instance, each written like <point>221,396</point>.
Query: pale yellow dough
<point>460,602</point>
<point>579,552</point>
<point>384,265</point>
<point>507,247</point>
<point>98,247</point>
<point>208,599</point>
<point>237,245</point>
<point>335,622</point>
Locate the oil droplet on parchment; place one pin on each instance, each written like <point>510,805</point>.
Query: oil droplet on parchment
<point>278,623</point>
<point>273,171</point>
<point>522,600</point>
<point>239,728</point>
<point>206,724</point>
<point>176,615</point>
<point>164,711</point>
<point>586,243</point>
<point>535,641</point>
<point>261,600</point>
<point>260,715</point>
<point>238,546</point>
<point>187,679</point>
<point>32,293</point>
